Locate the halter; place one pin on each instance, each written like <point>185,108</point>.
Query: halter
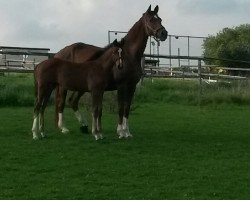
<point>120,58</point>
<point>148,27</point>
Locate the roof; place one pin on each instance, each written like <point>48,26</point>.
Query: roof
<point>24,48</point>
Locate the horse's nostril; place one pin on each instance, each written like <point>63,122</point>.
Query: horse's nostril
<point>164,33</point>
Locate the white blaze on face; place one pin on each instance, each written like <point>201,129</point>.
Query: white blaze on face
<point>155,16</point>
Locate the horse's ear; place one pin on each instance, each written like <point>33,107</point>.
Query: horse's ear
<point>149,9</point>
<point>156,9</point>
<point>122,41</point>
<point>115,42</point>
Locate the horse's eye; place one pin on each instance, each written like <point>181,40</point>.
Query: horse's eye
<point>155,16</point>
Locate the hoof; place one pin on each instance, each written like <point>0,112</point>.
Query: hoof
<point>35,138</point>
<point>84,129</point>
<point>101,137</point>
<point>120,137</point>
<point>124,134</point>
<point>98,137</point>
<point>43,135</point>
<point>129,135</point>
<point>121,134</point>
<point>65,130</point>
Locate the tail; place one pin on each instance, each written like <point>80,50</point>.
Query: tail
<point>35,83</point>
<point>71,98</point>
<point>56,106</point>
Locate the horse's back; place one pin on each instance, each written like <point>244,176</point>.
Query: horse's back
<point>79,52</point>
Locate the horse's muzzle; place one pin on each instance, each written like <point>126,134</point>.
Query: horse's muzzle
<point>162,34</point>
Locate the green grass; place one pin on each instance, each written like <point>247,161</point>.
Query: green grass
<point>178,152</point>
<point>18,90</point>
<point>188,92</point>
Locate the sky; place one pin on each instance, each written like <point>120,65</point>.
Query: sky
<point>56,23</point>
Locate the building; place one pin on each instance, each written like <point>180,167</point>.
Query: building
<point>22,57</point>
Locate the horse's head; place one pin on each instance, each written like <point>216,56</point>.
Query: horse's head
<point>153,26</point>
<point>117,53</point>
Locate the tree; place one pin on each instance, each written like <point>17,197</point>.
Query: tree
<point>230,43</point>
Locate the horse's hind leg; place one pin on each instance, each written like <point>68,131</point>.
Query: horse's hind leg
<point>37,108</point>
<point>35,120</point>
<point>61,103</point>
<point>41,115</point>
<point>74,101</point>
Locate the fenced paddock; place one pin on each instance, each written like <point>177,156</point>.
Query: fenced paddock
<point>179,150</point>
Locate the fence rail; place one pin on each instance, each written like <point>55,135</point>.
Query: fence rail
<point>18,62</point>
<point>193,71</point>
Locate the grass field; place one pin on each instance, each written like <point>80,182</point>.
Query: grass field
<point>178,152</point>
<point>18,90</point>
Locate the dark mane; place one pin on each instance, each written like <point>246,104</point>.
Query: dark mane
<point>98,54</point>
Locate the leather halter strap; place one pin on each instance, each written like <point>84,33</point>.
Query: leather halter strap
<point>148,28</point>
<point>120,58</point>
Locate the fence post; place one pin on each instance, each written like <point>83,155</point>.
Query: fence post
<point>200,81</point>
<point>143,69</point>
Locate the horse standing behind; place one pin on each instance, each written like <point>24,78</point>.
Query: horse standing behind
<point>134,46</point>
<point>90,76</point>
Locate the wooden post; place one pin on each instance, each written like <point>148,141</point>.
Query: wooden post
<point>143,69</point>
<point>179,60</point>
<point>200,81</point>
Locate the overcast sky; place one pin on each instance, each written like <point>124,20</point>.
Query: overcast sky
<point>56,23</point>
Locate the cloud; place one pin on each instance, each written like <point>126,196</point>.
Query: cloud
<point>214,7</point>
<point>57,23</point>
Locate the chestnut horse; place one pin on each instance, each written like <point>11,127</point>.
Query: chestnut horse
<point>134,46</point>
<point>90,76</point>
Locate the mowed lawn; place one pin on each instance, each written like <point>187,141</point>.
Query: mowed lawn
<point>177,152</point>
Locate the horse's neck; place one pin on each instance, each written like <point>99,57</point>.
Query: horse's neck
<point>136,40</point>
<point>106,61</point>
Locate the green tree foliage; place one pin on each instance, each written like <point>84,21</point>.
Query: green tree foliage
<point>230,43</point>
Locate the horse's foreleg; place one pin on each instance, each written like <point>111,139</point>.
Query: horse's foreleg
<point>125,103</point>
<point>99,121</point>
<point>74,101</point>
<point>120,98</point>
<point>97,97</point>
<point>61,104</point>
<point>128,100</point>
<point>35,127</point>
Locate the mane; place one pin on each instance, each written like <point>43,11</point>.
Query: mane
<point>133,36</point>
<point>108,46</point>
<point>133,28</point>
<point>98,54</point>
